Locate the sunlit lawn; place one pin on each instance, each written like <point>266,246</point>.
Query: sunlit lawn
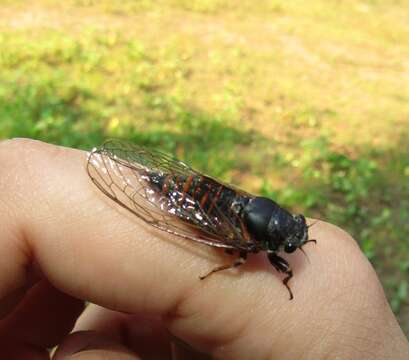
<point>306,104</point>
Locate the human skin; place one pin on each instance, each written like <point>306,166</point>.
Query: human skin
<point>62,242</point>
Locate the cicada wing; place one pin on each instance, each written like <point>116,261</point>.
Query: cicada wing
<point>137,156</point>
<point>119,170</point>
<point>141,157</point>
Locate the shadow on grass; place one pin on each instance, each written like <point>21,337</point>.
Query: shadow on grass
<point>50,112</point>
<point>73,116</point>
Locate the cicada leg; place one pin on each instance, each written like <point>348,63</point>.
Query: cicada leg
<point>283,266</point>
<point>239,261</point>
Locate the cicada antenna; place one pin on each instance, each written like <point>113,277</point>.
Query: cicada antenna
<point>308,226</point>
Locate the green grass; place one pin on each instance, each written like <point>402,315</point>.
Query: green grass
<point>306,104</point>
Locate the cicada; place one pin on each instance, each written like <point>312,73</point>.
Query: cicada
<point>171,196</point>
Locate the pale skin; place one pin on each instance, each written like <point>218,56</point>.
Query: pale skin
<point>62,243</point>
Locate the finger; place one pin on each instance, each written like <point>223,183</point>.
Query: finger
<point>89,345</point>
<point>42,318</point>
<point>145,335</point>
<point>92,250</point>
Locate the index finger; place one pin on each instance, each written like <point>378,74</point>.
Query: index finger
<point>93,250</point>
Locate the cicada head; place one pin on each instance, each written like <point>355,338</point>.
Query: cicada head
<point>297,235</point>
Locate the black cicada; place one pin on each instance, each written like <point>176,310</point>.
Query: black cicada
<point>171,196</point>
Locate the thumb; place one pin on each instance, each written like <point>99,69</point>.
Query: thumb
<point>92,345</point>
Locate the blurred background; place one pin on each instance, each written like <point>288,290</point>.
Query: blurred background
<point>304,102</point>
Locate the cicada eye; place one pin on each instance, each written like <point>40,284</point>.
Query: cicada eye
<point>290,248</point>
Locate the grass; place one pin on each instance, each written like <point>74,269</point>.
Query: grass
<point>306,104</point>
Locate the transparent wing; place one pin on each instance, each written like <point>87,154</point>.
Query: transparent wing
<point>120,170</point>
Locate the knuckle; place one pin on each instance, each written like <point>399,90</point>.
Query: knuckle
<point>17,143</point>
<point>24,149</point>
<point>22,160</point>
<point>22,145</point>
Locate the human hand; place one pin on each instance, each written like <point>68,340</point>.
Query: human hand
<point>62,243</point>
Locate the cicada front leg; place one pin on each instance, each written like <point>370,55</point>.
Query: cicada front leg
<point>239,261</point>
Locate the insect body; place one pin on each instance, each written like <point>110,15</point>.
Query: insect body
<point>171,196</point>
